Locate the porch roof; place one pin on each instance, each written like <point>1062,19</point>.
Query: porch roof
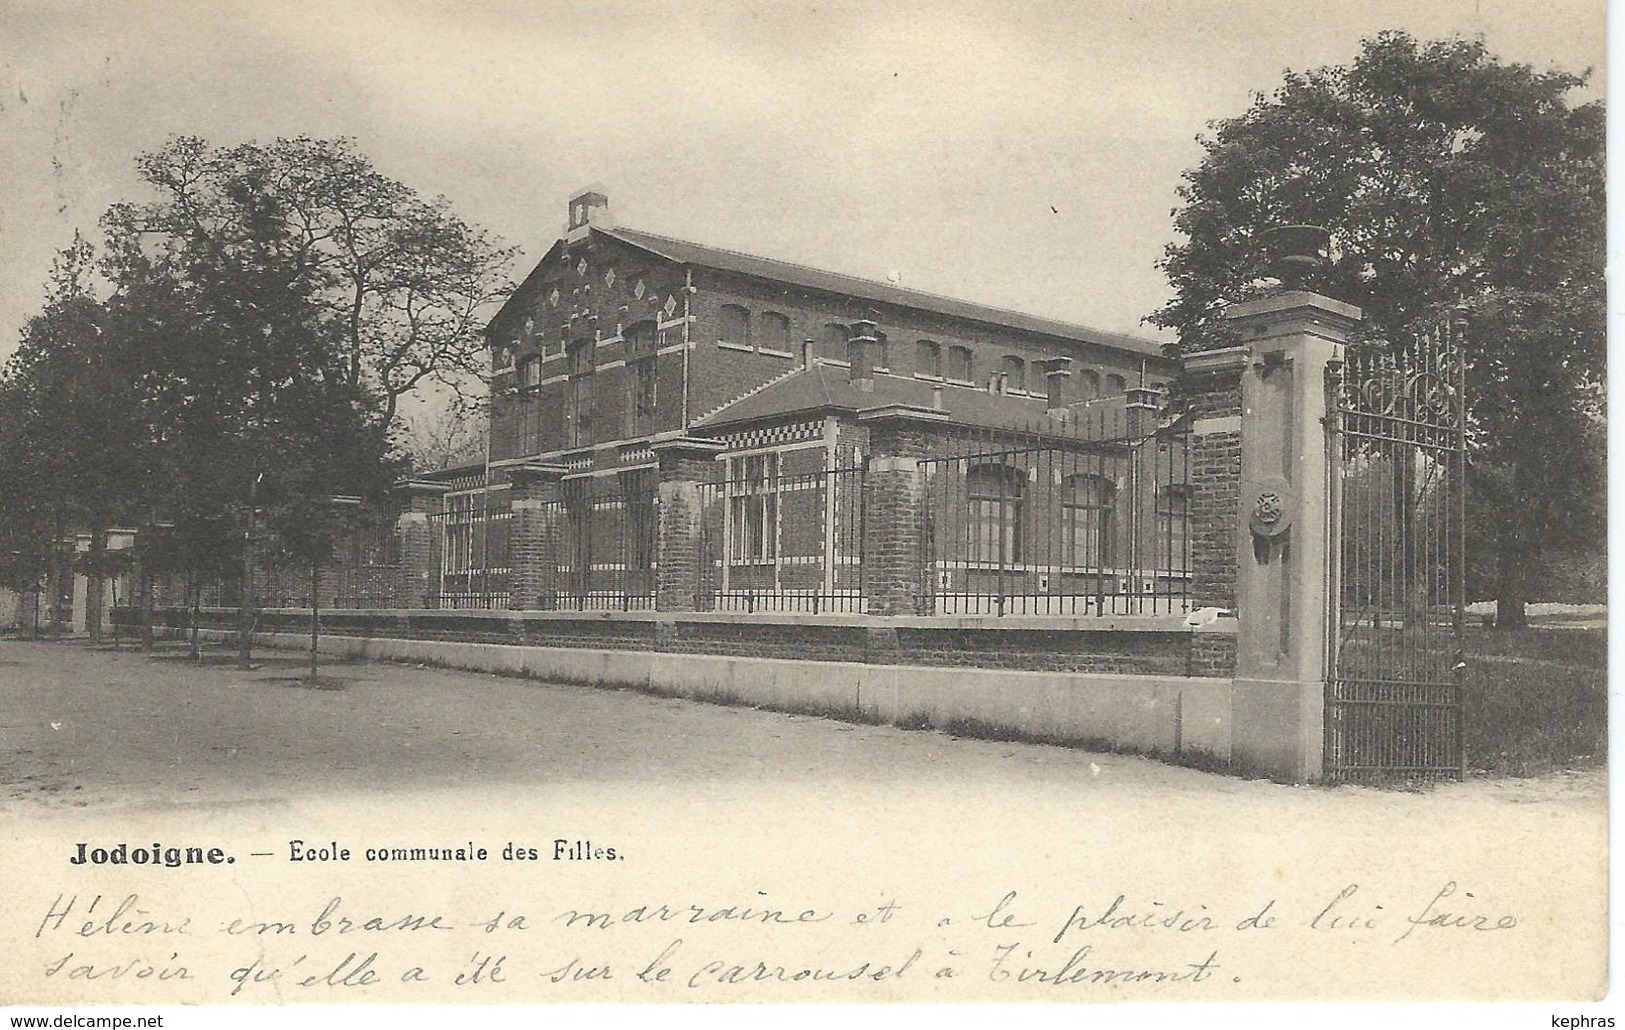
<point>828,388</point>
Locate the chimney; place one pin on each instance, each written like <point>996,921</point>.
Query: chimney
<point>1063,392</point>
<point>588,207</point>
<point>862,346</point>
<point>1142,405</point>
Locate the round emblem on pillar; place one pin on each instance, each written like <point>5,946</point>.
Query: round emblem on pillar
<point>1269,515</point>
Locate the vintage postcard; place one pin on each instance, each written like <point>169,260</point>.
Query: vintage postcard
<point>847,503</point>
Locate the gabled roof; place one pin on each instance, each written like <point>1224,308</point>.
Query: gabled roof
<point>684,252</point>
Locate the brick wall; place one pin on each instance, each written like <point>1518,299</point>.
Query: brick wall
<point>893,533</point>
<point>1165,652</point>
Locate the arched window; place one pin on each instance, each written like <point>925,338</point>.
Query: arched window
<point>959,367</point>
<point>1116,386</point>
<point>1088,503</point>
<point>994,527</point>
<point>1088,385</point>
<point>833,345</point>
<point>733,326</point>
<point>1015,373</point>
<point>928,359</point>
<point>775,334</point>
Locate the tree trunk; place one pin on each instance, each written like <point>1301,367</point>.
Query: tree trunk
<point>315,617</point>
<point>61,581</point>
<point>194,601</point>
<point>245,600</point>
<point>1413,578</point>
<point>143,585</point>
<point>1510,580</point>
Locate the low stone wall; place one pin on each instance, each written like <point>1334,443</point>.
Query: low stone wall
<point>1137,645</point>
<point>1166,715</point>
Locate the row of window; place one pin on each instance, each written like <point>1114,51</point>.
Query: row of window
<point>771,331</point>
<point>994,530</point>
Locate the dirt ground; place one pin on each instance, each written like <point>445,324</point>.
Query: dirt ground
<point>94,727</point>
<point>717,805</point>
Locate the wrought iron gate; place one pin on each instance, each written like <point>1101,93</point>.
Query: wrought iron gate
<point>1394,686</point>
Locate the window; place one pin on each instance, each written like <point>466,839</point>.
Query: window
<point>1088,385</point>
<point>753,509</point>
<point>995,513</point>
<point>578,397</point>
<point>928,359</point>
<point>1116,386</point>
<point>640,378</point>
<point>734,326</point>
<point>775,333</point>
<point>1173,521</point>
<point>1088,505</point>
<point>1015,373</point>
<point>959,364</point>
<point>834,345</point>
<point>457,550</point>
<point>532,371</point>
<point>578,526</point>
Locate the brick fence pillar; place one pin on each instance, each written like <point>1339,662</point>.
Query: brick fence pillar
<point>1212,387</point>
<point>535,535</point>
<point>1283,539</point>
<point>417,582</point>
<point>896,580</point>
<point>685,463</point>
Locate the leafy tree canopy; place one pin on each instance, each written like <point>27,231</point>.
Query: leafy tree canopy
<point>1448,181</point>
<point>400,282</point>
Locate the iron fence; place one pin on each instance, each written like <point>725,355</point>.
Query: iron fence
<point>606,558</point>
<point>1395,680</point>
<point>1089,518</point>
<point>778,536</point>
<point>472,541</point>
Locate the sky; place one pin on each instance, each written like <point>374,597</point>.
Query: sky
<point>1024,155</point>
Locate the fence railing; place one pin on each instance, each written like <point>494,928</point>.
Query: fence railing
<point>606,555</point>
<point>777,540</point>
<point>471,536</point>
<point>1090,523</point>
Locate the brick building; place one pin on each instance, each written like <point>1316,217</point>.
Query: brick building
<point>644,388</point>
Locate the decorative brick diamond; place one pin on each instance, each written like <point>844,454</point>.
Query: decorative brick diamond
<point>609,277</point>
<point>639,290</point>
<point>671,305</point>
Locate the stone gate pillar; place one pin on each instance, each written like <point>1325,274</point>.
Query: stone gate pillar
<point>1282,539</point>
<point>534,535</point>
<point>417,579</point>
<point>685,463</point>
<point>895,576</point>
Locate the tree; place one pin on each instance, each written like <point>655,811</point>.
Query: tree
<point>446,432</point>
<point>1450,182</point>
<point>79,447</point>
<point>400,283</point>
